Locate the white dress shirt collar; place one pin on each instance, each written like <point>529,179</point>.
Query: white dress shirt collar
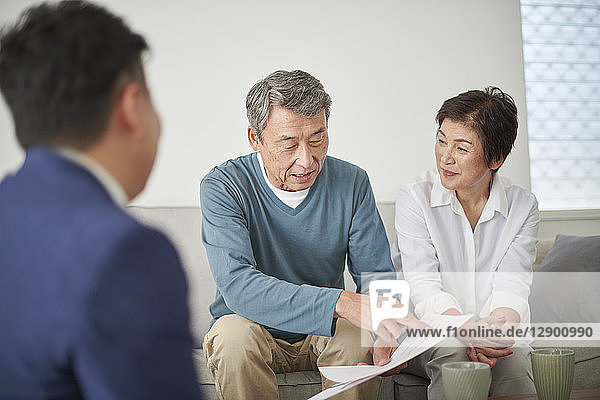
<point>108,182</point>
<point>440,196</point>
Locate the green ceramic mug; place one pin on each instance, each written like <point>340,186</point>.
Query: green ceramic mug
<point>553,370</point>
<point>466,380</point>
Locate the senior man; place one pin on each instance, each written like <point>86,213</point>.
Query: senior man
<point>278,226</point>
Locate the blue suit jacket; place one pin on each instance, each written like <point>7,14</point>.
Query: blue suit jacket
<point>92,304</point>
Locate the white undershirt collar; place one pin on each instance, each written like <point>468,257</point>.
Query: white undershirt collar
<point>290,199</point>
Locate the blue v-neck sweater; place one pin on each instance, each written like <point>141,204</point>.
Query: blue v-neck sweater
<point>282,267</point>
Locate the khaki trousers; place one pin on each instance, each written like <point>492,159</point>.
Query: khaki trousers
<point>510,376</point>
<point>243,358</point>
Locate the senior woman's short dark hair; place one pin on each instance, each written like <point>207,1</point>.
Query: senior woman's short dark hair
<point>489,112</point>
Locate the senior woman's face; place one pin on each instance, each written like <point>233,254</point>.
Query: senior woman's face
<point>459,158</point>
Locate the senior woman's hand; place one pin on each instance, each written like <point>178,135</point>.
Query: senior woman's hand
<point>490,322</point>
<point>510,315</point>
<point>487,355</point>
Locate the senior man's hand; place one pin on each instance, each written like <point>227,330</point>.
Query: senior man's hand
<point>356,308</point>
<point>382,353</point>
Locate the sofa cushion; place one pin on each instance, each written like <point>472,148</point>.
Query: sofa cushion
<point>408,386</point>
<point>565,286</point>
<point>587,368</point>
<point>573,254</point>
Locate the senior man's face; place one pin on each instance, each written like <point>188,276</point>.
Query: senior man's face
<point>293,148</point>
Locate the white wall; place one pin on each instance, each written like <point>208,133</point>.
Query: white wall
<point>388,66</point>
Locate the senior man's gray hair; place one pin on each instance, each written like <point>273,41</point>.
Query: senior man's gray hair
<point>295,90</point>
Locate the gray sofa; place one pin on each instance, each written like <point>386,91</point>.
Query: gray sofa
<point>182,226</point>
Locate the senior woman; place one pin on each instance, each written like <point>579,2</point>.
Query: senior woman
<point>466,237</point>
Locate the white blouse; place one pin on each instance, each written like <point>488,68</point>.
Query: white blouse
<point>450,265</point>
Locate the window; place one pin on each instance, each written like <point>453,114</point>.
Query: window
<point>561,46</point>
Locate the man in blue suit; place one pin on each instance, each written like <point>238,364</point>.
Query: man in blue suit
<point>92,304</point>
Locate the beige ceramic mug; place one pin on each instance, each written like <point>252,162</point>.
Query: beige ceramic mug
<point>466,380</point>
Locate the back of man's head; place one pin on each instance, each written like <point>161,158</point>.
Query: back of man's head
<point>61,69</point>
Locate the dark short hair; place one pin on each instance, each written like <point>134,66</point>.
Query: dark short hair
<point>59,68</point>
<point>489,112</point>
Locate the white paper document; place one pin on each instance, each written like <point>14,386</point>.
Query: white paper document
<point>350,376</point>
